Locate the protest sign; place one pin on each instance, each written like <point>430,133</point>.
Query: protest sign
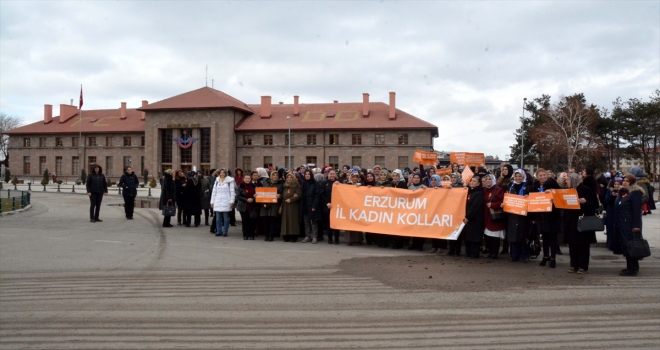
<point>468,159</point>
<point>515,204</point>
<point>266,195</point>
<point>425,158</point>
<point>467,175</point>
<point>565,198</point>
<point>445,183</point>
<point>539,202</point>
<point>428,213</point>
<point>443,172</point>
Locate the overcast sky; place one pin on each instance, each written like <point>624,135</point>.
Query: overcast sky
<point>464,66</point>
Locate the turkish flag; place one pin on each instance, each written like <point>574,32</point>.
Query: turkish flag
<point>81,98</point>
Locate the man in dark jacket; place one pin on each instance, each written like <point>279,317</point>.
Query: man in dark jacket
<point>96,189</point>
<point>167,196</point>
<point>129,183</point>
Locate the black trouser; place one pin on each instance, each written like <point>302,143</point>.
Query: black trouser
<point>179,214</point>
<point>232,217</point>
<point>270,226</point>
<point>383,240</point>
<point>320,230</point>
<point>439,243</point>
<point>166,220</point>
<point>455,246</point>
<point>550,245</point>
<point>95,205</point>
<point>493,245</point>
<point>248,224</point>
<point>579,254</point>
<point>398,241</point>
<point>206,217</point>
<point>129,206</point>
<point>328,230</point>
<point>472,249</point>
<point>505,246</point>
<point>417,243</point>
<point>212,230</point>
<point>187,218</point>
<point>632,264</point>
<point>371,237</point>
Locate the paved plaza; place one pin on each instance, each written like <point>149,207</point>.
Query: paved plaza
<point>66,283</point>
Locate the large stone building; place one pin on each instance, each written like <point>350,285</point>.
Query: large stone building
<point>208,129</point>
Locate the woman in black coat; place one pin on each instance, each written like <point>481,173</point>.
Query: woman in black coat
<point>167,195</point>
<point>180,182</point>
<point>579,243</point>
<point>325,199</point>
<point>192,203</point>
<point>129,183</point>
<point>518,226</point>
<point>473,231</point>
<point>547,224</point>
<point>628,222</point>
<point>610,216</point>
<point>310,207</point>
<point>97,187</point>
<point>246,206</point>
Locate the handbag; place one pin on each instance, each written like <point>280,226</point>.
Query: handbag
<point>590,223</point>
<point>638,248</point>
<point>169,210</point>
<point>496,215</point>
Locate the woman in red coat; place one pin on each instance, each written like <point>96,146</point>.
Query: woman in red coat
<point>493,199</point>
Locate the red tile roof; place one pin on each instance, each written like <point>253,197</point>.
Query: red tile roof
<point>333,116</point>
<point>204,98</point>
<point>93,121</point>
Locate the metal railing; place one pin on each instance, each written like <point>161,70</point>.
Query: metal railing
<point>11,200</point>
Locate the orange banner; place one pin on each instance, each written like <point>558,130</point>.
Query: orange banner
<point>565,198</point>
<point>515,204</point>
<point>429,213</point>
<point>467,158</point>
<point>425,158</point>
<point>442,172</point>
<point>266,195</point>
<point>539,202</point>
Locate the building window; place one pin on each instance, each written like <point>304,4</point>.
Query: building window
<point>380,139</point>
<point>268,140</point>
<point>247,140</point>
<point>58,142</point>
<point>334,139</point>
<point>127,141</point>
<point>42,164</point>
<point>311,139</point>
<point>75,166</point>
<point>109,166</point>
<point>142,141</point>
<point>288,164</point>
<point>286,139</point>
<point>127,161</point>
<point>205,145</point>
<point>403,139</point>
<point>26,165</point>
<point>26,142</point>
<point>166,146</point>
<point>356,160</point>
<point>58,165</point>
<point>247,164</point>
<point>403,162</point>
<point>91,160</point>
<point>108,141</point>
<point>91,141</point>
<point>334,162</point>
<point>74,143</point>
<point>356,139</point>
<point>379,160</point>
<point>268,162</point>
<point>310,159</point>
<point>42,142</point>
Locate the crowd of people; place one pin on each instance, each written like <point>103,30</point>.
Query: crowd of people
<point>304,201</point>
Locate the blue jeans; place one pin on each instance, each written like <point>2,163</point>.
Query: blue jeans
<point>221,222</point>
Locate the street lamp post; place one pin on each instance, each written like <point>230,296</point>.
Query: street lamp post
<point>288,119</point>
<point>522,135</point>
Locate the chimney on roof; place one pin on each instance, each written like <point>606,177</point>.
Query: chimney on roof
<point>72,102</point>
<point>265,111</point>
<point>281,102</point>
<point>365,105</point>
<point>296,107</point>
<point>122,113</point>
<point>144,114</point>
<point>392,105</point>
<point>67,112</point>
<point>48,114</point>
<point>335,101</point>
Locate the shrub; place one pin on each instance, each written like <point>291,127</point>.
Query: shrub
<point>44,181</point>
<point>14,181</point>
<point>7,175</point>
<point>145,175</point>
<point>153,182</point>
<point>83,176</point>
<point>78,182</point>
<point>113,183</point>
<point>142,185</point>
<point>108,182</point>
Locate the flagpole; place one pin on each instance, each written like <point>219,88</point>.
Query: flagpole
<point>82,161</point>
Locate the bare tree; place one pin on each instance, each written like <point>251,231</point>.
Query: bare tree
<point>7,122</point>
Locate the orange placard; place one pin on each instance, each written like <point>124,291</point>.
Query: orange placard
<point>565,198</point>
<point>515,204</point>
<point>429,213</point>
<point>445,183</point>
<point>443,171</point>
<point>539,202</point>
<point>266,195</point>
<point>468,159</point>
<point>425,158</point>
<point>466,175</point>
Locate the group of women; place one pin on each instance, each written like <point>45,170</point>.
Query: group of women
<point>302,203</point>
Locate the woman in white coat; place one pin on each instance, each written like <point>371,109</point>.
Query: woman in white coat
<point>222,201</point>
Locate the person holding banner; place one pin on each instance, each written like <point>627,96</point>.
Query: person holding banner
<point>290,208</point>
<point>547,224</point>
<point>370,180</point>
<point>245,206</point>
<point>494,230</point>
<point>437,245</point>
<point>474,218</point>
<point>325,198</point>
<point>398,182</point>
<point>456,180</point>
<point>382,240</point>
<point>354,236</point>
<point>518,226</point>
<point>417,242</point>
<point>270,212</point>
<point>579,243</point>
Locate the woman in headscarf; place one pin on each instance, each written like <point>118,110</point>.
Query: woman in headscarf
<point>437,245</point>
<point>547,224</point>
<point>398,182</point>
<point>292,194</point>
<point>319,178</point>
<point>344,176</point>
<point>354,237</point>
<point>383,180</point>
<point>310,207</point>
<point>416,184</point>
<point>504,181</point>
<point>610,216</point>
<point>518,226</point>
<point>474,218</point>
<point>245,206</point>
<point>493,231</point>
<point>628,222</point>
<point>269,213</point>
<point>456,180</point>
<point>326,205</point>
<point>370,180</point>
<point>579,243</point>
